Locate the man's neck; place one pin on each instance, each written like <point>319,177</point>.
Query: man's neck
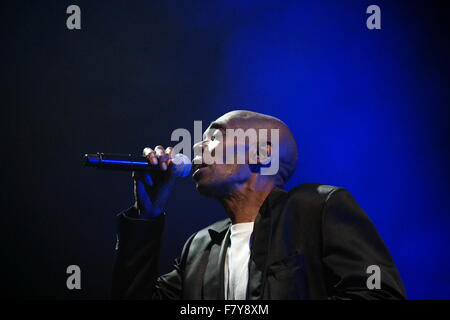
<point>244,204</point>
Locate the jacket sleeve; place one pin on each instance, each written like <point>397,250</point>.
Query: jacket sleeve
<point>135,273</point>
<point>350,245</point>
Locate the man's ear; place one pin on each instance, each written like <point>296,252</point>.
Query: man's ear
<point>264,154</point>
<point>253,160</point>
<point>261,158</point>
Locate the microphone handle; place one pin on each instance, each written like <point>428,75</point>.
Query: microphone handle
<point>121,162</point>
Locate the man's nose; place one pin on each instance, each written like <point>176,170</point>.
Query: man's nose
<point>199,147</point>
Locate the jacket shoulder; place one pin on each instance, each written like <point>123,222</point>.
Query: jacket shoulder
<point>312,191</point>
<point>305,204</point>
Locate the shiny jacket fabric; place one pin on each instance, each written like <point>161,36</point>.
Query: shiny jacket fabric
<point>312,242</point>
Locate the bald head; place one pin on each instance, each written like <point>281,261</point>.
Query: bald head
<point>288,153</point>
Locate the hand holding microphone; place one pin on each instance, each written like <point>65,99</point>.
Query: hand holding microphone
<point>154,174</point>
<point>152,189</point>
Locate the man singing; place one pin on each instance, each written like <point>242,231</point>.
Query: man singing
<point>312,242</point>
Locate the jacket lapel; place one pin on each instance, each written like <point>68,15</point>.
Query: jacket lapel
<point>213,280</point>
<point>213,286</point>
<point>260,246</point>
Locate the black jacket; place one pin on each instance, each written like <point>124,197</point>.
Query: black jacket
<point>313,242</point>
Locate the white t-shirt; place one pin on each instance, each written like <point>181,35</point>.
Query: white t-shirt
<point>236,261</point>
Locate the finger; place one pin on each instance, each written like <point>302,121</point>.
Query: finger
<point>159,150</point>
<point>169,154</point>
<point>143,177</point>
<point>146,151</point>
<point>153,158</point>
<point>169,151</point>
<point>150,155</point>
<point>162,157</point>
<point>147,179</point>
<point>163,163</point>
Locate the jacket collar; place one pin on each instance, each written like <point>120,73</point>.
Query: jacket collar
<point>213,280</point>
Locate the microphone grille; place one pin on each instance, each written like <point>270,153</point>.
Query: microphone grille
<point>182,165</point>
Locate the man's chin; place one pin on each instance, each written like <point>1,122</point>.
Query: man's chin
<point>203,190</point>
<point>206,189</point>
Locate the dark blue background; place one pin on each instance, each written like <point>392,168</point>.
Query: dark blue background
<point>369,110</point>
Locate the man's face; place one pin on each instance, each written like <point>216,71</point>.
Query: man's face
<point>218,179</point>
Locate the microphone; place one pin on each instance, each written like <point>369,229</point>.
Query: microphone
<point>126,162</point>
